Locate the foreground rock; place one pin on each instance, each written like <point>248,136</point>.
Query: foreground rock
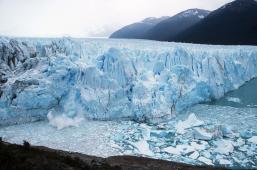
<point>36,158</point>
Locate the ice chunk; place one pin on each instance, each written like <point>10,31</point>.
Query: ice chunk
<point>239,142</point>
<point>233,99</point>
<point>206,154</point>
<point>225,162</point>
<point>179,149</point>
<point>253,140</point>
<point>142,145</point>
<point>246,134</point>
<point>143,148</point>
<point>172,150</point>
<point>202,134</point>
<point>194,155</point>
<point>201,145</point>
<point>191,121</point>
<point>227,132</point>
<point>224,147</point>
<point>243,148</point>
<point>205,160</point>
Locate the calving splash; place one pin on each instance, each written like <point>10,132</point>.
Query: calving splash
<point>115,79</point>
<point>63,121</point>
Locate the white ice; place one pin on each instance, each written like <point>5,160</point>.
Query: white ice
<point>191,121</point>
<point>234,99</point>
<point>253,140</point>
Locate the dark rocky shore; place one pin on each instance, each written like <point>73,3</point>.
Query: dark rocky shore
<point>18,157</point>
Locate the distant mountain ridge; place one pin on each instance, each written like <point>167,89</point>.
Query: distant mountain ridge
<point>234,23</point>
<point>137,30</point>
<point>171,27</point>
<point>161,28</point>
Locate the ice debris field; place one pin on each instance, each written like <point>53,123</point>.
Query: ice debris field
<point>172,101</point>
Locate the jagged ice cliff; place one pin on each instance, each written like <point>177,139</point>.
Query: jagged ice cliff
<point>114,79</point>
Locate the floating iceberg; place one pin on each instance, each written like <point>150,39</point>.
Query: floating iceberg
<point>234,99</point>
<point>224,147</point>
<point>253,140</point>
<point>190,122</point>
<point>115,79</point>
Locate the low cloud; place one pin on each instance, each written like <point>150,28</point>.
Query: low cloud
<point>84,18</point>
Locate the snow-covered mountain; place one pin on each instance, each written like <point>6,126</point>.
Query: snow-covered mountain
<point>233,23</point>
<point>194,12</point>
<point>115,79</point>
<point>173,26</point>
<point>163,28</point>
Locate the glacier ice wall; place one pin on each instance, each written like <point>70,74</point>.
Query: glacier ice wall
<point>115,79</point>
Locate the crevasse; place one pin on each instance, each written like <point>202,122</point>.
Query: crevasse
<point>115,79</point>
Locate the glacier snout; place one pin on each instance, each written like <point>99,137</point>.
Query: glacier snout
<point>115,79</point>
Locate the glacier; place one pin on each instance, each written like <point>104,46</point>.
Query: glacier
<point>100,79</point>
<point>189,103</point>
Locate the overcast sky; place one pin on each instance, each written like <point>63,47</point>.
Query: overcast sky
<point>85,18</point>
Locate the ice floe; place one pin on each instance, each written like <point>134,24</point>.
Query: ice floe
<point>190,122</point>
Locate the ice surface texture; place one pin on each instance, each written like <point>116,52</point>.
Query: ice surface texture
<point>115,79</point>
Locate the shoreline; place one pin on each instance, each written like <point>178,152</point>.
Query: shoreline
<point>13,156</point>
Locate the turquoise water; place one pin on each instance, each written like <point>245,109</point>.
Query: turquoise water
<point>245,96</point>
